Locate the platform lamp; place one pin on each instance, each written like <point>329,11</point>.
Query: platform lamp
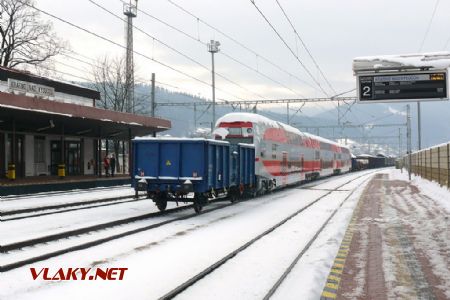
<point>213,47</point>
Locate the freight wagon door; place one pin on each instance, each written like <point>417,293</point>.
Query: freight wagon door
<point>192,161</point>
<point>169,162</point>
<point>145,158</point>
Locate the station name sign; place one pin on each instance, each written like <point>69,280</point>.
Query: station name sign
<point>29,87</point>
<point>402,86</point>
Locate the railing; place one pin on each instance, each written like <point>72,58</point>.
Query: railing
<point>432,164</point>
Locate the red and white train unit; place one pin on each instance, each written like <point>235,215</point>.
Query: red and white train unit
<point>250,154</point>
<point>283,154</point>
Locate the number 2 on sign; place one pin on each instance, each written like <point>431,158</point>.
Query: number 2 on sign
<point>366,91</point>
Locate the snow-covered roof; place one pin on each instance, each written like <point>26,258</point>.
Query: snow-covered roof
<point>170,138</point>
<point>434,60</point>
<point>364,155</point>
<point>255,118</point>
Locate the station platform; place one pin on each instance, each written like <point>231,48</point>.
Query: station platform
<point>42,184</point>
<point>397,245</point>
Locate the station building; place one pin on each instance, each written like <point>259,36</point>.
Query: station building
<point>46,124</point>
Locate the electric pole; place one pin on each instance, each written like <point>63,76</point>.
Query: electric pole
<point>153,104</point>
<point>408,137</point>
<point>130,11</point>
<point>213,47</point>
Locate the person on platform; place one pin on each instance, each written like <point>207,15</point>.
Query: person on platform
<point>106,165</point>
<point>112,164</point>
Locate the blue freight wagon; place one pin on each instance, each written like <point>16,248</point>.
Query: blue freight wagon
<point>192,170</point>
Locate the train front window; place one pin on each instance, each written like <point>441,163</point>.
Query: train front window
<point>237,140</point>
<point>235,131</point>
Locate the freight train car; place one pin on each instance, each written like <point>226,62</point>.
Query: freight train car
<point>283,154</point>
<point>250,155</point>
<point>191,170</point>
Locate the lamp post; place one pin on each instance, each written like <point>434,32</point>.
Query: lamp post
<point>213,47</point>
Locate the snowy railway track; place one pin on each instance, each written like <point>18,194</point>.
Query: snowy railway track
<point>201,275</point>
<point>55,193</point>
<point>81,232</point>
<point>39,211</point>
<point>99,233</point>
<point>288,270</point>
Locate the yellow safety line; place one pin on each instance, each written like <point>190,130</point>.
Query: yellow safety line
<point>334,278</point>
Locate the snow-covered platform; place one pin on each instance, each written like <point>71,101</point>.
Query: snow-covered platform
<point>397,245</point>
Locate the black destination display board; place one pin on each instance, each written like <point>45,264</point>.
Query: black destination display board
<point>402,87</point>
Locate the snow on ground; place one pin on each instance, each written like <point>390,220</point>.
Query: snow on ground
<point>307,279</point>
<point>23,229</point>
<point>429,188</point>
<point>253,272</point>
<point>159,259</point>
<point>75,196</point>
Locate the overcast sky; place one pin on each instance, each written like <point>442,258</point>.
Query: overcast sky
<point>334,31</point>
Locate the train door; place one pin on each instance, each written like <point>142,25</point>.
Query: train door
<point>284,167</point>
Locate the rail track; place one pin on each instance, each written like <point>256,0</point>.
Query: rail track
<point>38,211</point>
<point>98,228</point>
<point>196,278</point>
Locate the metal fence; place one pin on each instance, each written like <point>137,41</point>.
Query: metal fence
<point>432,164</point>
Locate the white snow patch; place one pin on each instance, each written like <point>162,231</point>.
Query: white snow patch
<point>437,60</point>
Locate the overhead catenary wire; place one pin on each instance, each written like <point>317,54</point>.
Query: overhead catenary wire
<point>118,44</point>
<point>93,65</point>
<point>289,48</point>
<point>115,43</point>
<point>258,55</point>
<point>197,39</point>
<point>427,31</point>
<point>224,53</point>
<point>305,47</point>
<point>175,50</point>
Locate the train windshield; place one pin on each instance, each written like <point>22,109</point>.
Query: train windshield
<point>237,140</point>
<point>235,135</point>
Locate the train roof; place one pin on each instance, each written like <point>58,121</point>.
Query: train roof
<point>255,118</point>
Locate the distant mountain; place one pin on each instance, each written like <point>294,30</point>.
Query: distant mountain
<point>435,119</point>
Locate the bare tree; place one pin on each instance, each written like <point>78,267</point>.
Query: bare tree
<point>110,81</point>
<point>109,77</point>
<point>25,39</point>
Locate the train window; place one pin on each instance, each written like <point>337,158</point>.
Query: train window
<point>235,131</point>
<point>317,155</point>
<point>274,151</point>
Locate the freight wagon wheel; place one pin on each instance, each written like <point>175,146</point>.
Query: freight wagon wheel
<point>161,204</point>
<point>233,197</point>
<point>161,201</point>
<point>197,206</point>
<point>199,201</point>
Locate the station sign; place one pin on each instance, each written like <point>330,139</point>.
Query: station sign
<point>30,87</point>
<point>402,86</point>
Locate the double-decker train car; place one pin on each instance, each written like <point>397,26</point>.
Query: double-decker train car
<point>250,155</point>
<point>283,154</point>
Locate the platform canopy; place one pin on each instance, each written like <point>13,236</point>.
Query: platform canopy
<point>36,115</point>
